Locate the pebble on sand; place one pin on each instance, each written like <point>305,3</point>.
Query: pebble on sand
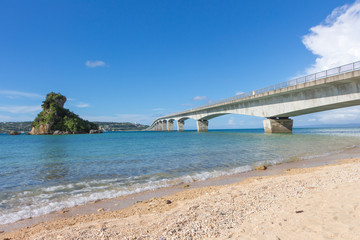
<point>261,167</point>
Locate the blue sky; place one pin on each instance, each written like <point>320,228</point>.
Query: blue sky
<point>137,60</point>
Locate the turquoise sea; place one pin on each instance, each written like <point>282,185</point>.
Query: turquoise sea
<point>40,174</point>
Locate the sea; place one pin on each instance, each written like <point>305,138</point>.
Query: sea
<point>41,174</point>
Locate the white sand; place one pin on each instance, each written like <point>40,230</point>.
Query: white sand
<point>316,203</point>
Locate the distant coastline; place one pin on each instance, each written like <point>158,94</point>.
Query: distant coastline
<point>24,127</point>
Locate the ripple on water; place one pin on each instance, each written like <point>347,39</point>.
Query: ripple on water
<point>40,174</point>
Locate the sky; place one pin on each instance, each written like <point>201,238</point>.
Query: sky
<point>134,61</point>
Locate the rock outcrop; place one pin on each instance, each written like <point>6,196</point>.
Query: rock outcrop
<point>261,167</point>
<point>93,131</point>
<point>55,119</point>
<point>14,133</point>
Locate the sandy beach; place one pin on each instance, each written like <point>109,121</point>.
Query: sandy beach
<point>310,203</point>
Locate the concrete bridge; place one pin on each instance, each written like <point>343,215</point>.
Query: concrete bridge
<point>331,89</point>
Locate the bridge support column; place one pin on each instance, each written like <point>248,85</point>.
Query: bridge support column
<point>171,125</point>
<point>164,125</point>
<point>157,127</point>
<point>180,125</point>
<point>278,125</point>
<point>202,125</point>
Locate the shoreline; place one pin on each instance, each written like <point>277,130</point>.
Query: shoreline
<point>129,201</point>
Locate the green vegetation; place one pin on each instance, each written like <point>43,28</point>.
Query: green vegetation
<point>53,99</point>
<point>63,120</point>
<point>54,117</point>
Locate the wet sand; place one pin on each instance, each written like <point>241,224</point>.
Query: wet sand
<point>283,202</point>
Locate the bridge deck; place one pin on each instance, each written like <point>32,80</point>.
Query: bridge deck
<point>322,85</point>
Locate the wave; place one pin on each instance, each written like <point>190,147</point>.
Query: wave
<point>31,204</point>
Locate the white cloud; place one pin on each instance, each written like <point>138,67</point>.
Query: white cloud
<point>339,116</point>
<point>139,118</point>
<point>82,105</point>
<point>16,94</point>
<point>20,109</point>
<point>4,118</point>
<point>199,98</point>
<point>93,64</point>
<point>336,41</point>
<point>231,121</point>
<point>239,93</point>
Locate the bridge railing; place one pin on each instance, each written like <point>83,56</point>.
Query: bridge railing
<point>293,82</point>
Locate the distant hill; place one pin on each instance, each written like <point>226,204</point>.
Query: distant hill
<point>6,127</point>
<point>121,126</point>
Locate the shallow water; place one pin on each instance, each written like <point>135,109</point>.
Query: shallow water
<point>40,174</point>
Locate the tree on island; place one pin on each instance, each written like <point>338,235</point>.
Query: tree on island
<point>55,119</point>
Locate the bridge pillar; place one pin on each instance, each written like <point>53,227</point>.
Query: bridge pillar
<point>180,125</point>
<point>171,125</point>
<point>278,125</point>
<point>202,125</point>
<point>164,125</point>
<point>157,126</point>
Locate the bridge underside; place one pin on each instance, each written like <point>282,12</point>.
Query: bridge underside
<point>277,106</point>
<point>271,125</point>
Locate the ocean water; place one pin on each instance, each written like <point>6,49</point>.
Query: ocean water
<point>40,174</point>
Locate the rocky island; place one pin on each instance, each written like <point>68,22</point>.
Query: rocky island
<point>55,119</point>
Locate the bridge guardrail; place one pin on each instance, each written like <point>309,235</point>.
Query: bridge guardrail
<point>293,82</point>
